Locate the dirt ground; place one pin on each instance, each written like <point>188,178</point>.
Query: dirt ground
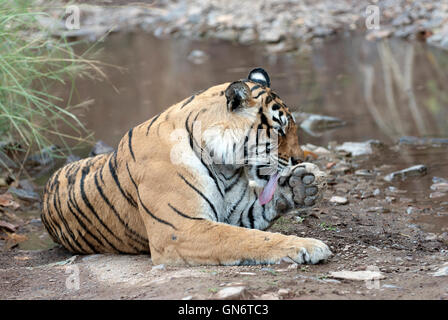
<point>373,231</point>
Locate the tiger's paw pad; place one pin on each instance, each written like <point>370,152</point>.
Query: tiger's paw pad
<point>304,186</point>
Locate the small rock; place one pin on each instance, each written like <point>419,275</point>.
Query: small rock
<point>231,293</point>
<point>357,275</point>
<point>198,57</point>
<point>378,209</point>
<point>431,237</point>
<point>437,195</point>
<point>390,286</point>
<point>332,281</point>
<point>316,124</point>
<point>45,156</point>
<point>358,148</point>
<point>159,267</point>
<point>24,194</point>
<point>3,182</point>
<point>269,296</point>
<point>99,148</point>
<point>436,180</point>
<point>442,272</point>
<point>25,184</point>
<point>414,171</point>
<point>441,187</point>
<point>364,173</point>
<point>247,273</point>
<point>376,192</point>
<point>411,210</point>
<point>339,200</point>
<point>283,292</point>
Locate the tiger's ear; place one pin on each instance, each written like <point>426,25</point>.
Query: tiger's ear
<point>261,76</point>
<point>238,94</point>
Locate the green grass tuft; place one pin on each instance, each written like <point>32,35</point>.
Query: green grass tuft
<point>31,64</point>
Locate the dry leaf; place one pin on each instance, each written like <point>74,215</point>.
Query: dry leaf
<point>6,200</point>
<point>13,239</point>
<point>8,226</point>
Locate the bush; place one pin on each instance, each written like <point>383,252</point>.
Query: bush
<point>31,62</point>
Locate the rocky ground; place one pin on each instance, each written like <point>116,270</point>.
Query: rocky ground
<point>368,218</point>
<point>283,25</point>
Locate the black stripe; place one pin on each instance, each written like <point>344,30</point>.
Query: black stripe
<point>152,121</point>
<point>183,214</point>
<point>210,173</point>
<point>130,143</point>
<point>131,201</point>
<point>72,201</point>
<point>139,239</point>
<point>201,194</point>
<point>152,215</point>
<point>231,185</point>
<point>84,197</point>
<point>234,206</point>
<point>255,87</point>
<point>188,101</point>
<point>57,207</point>
<point>250,215</point>
<point>83,226</point>
<point>130,177</point>
<point>259,94</point>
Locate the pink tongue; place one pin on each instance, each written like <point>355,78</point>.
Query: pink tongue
<point>268,191</point>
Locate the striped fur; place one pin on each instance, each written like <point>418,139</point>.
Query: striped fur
<point>160,193</point>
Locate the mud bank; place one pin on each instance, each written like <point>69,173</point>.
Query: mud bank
<point>379,228</point>
<point>283,25</point>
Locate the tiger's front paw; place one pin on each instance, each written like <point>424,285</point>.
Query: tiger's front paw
<point>302,188</point>
<point>308,250</point>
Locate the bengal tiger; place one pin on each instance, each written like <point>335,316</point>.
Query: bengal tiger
<point>174,188</point>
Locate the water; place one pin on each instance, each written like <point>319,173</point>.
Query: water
<point>383,90</point>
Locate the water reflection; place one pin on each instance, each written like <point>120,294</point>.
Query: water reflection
<point>382,90</point>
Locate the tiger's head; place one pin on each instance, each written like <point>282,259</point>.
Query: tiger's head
<point>260,131</point>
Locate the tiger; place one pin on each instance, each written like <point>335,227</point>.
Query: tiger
<point>175,188</point>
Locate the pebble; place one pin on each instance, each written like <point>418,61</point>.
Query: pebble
<point>437,195</point>
<point>378,209</point>
<point>159,267</point>
<point>283,292</point>
<point>339,200</point>
<point>442,272</point>
<point>198,57</point>
<point>441,187</point>
<point>24,194</point>
<point>231,293</point>
<point>417,170</point>
<point>358,148</point>
<point>357,275</point>
<point>3,182</point>
<point>45,156</point>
